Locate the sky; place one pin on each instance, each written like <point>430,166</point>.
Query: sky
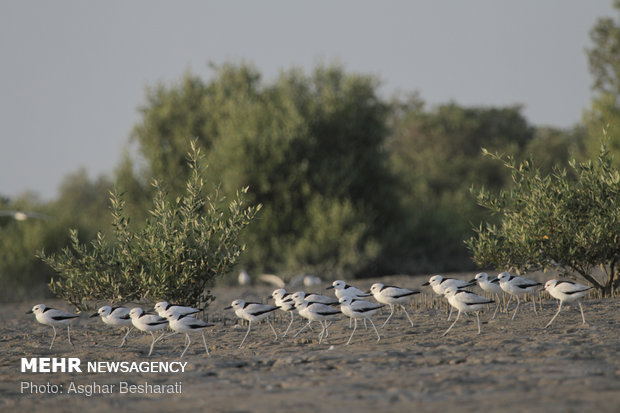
<point>73,74</point>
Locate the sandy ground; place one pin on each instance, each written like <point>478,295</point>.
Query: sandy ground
<point>513,366</point>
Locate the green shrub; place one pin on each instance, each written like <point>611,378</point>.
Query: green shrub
<point>175,255</point>
<point>561,221</point>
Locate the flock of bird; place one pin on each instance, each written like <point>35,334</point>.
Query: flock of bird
<point>350,301</point>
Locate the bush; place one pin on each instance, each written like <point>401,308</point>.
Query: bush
<point>185,245</point>
<point>310,147</point>
<point>556,222</point>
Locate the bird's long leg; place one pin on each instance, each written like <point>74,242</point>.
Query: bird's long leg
<point>289,324</point>
<point>354,328</point>
<point>507,302</point>
<point>69,335</point>
<point>534,302</point>
<point>496,307</point>
<point>170,335</point>
<point>450,313</point>
<point>272,329</point>
<point>373,326</point>
<point>152,344</point>
<point>518,302</point>
<point>556,314</point>
<point>188,341</point>
<point>452,325</point>
<point>246,334</point>
<point>390,316</point>
<point>303,328</point>
<point>478,318</point>
<point>125,337</point>
<point>53,338</point>
<point>163,333</point>
<point>582,316</point>
<point>205,342</point>
<point>322,334</point>
<point>407,314</point>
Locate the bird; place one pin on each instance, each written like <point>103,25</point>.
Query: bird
<point>24,215</point>
<point>342,289</point>
<point>440,284</point>
<point>244,278</point>
<point>285,301</point>
<point>311,281</point>
<point>357,308</point>
<point>300,296</point>
<point>164,307</point>
<point>315,312</point>
<point>390,295</point>
<point>272,279</point>
<point>314,298</point>
<point>116,317</point>
<point>490,285</point>
<point>517,286</point>
<point>52,317</point>
<point>148,323</point>
<point>185,323</point>
<point>465,301</point>
<point>566,291</point>
<point>253,312</point>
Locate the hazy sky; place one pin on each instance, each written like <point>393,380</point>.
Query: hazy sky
<point>73,73</point>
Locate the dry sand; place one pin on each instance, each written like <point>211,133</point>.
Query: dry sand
<point>513,366</point>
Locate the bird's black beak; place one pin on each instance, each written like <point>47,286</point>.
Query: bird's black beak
<point>426,283</point>
<point>330,287</point>
<point>228,308</point>
<point>94,315</point>
<point>472,281</point>
<point>29,312</point>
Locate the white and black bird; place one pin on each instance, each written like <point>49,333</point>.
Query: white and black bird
<point>163,307</point>
<point>391,295</point>
<point>490,285</point>
<point>566,292</point>
<point>285,301</point>
<point>252,312</point>
<point>52,317</point>
<point>280,295</point>
<point>516,287</point>
<point>116,317</point>
<point>185,323</point>
<point>342,289</point>
<point>357,308</point>
<point>440,284</point>
<point>315,312</point>
<point>148,323</point>
<point>465,302</point>
<point>313,298</point>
